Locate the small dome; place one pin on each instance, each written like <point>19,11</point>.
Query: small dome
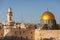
<point>9,10</point>
<point>47,16</point>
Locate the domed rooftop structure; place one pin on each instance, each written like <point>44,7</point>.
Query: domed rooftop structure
<point>48,21</point>
<point>47,15</point>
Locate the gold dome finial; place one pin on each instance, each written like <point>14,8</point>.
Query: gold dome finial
<point>47,9</point>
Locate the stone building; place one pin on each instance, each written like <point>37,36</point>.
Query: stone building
<point>47,29</point>
<point>14,29</point>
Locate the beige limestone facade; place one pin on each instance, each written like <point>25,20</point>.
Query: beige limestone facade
<point>27,31</point>
<point>47,34</point>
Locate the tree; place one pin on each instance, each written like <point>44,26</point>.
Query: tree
<point>54,27</point>
<point>45,27</point>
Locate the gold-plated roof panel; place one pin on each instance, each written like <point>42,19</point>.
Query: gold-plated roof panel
<point>47,16</point>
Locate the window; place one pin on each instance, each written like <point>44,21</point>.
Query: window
<point>23,31</point>
<point>26,37</point>
<point>31,32</point>
<point>20,37</point>
<point>19,27</point>
<point>20,32</point>
<point>0,27</point>
<point>31,36</point>
<point>15,32</point>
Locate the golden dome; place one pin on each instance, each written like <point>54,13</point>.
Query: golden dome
<point>47,16</point>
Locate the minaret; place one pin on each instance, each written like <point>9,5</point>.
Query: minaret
<point>9,15</point>
<point>9,20</point>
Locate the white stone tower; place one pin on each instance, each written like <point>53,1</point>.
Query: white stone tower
<point>9,15</point>
<point>7,28</point>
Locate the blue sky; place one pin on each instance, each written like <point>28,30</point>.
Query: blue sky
<point>29,10</point>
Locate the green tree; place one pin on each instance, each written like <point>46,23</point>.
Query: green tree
<point>45,27</point>
<point>54,27</point>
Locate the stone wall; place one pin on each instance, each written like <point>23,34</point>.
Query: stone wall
<point>22,33</point>
<point>47,34</point>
